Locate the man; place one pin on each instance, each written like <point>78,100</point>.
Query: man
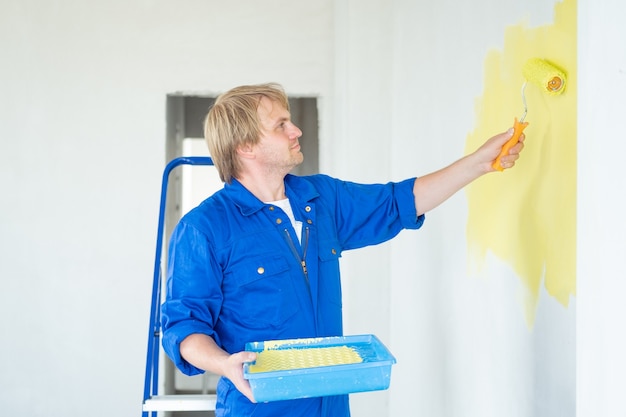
<point>259,260</point>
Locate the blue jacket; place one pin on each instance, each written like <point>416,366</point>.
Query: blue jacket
<point>238,273</point>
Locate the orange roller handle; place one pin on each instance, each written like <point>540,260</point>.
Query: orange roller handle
<point>518,128</point>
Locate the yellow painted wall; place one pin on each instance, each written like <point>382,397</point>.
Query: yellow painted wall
<point>526,216</point>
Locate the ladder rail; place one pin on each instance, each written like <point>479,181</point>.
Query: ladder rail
<point>151,381</point>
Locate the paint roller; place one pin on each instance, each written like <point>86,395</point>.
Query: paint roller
<point>550,79</point>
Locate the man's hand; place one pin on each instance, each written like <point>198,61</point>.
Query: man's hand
<point>233,370</point>
<point>202,352</point>
<point>490,150</point>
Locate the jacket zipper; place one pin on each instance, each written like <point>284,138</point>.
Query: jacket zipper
<point>301,260</point>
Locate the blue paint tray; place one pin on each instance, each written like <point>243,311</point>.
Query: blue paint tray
<point>317,367</point>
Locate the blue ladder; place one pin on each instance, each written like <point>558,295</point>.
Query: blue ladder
<point>152,401</point>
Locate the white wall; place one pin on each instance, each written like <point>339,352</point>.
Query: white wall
<point>82,127</point>
<point>601,333</point>
<point>83,87</point>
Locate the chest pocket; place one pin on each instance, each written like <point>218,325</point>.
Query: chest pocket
<point>261,293</point>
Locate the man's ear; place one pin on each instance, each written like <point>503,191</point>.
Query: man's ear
<point>246,151</point>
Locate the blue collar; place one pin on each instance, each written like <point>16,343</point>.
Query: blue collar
<point>298,190</point>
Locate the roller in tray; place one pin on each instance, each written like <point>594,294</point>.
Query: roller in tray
<point>317,367</point>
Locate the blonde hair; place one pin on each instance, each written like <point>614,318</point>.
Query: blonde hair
<point>233,121</point>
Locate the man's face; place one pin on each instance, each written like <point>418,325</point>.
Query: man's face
<point>278,147</point>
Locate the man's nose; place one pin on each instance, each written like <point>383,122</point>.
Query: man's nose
<point>295,131</point>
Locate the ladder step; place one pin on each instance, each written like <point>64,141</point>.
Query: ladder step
<point>188,402</point>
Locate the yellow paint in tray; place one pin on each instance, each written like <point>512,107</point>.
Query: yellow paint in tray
<point>270,360</point>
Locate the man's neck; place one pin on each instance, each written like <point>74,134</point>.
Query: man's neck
<point>263,188</point>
